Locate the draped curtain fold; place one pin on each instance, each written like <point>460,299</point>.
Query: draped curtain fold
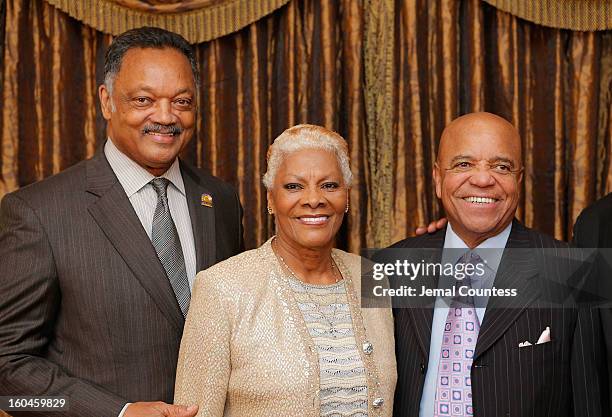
<point>197,20</point>
<point>584,15</point>
<point>378,91</point>
<point>387,75</point>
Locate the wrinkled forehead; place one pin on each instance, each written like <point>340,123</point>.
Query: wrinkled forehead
<point>480,142</point>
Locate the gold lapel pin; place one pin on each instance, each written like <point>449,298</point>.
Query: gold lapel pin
<point>206,200</point>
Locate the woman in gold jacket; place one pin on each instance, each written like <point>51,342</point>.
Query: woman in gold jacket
<point>279,330</point>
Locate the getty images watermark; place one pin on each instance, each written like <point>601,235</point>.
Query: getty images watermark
<point>503,277</point>
<point>404,269</point>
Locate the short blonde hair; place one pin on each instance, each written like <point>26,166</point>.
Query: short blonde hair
<point>306,136</point>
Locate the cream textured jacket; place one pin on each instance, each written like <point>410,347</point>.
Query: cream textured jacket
<point>246,350</point>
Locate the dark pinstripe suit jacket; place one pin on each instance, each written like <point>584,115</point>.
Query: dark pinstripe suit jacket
<point>562,378</point>
<point>593,229</point>
<point>86,310</point>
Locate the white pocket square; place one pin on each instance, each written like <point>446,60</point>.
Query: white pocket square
<point>544,338</point>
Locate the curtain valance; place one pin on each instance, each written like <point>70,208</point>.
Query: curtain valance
<point>581,15</point>
<point>197,20</point>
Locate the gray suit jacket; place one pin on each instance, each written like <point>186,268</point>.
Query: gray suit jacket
<point>86,309</point>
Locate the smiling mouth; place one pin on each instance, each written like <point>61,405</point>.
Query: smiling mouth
<point>314,220</point>
<point>158,129</point>
<point>480,200</point>
<point>162,133</point>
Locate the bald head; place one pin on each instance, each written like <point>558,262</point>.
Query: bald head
<point>487,125</point>
<point>478,171</point>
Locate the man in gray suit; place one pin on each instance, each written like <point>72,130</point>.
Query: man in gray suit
<point>97,262</point>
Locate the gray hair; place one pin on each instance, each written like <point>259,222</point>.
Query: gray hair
<point>145,37</point>
<point>306,136</point>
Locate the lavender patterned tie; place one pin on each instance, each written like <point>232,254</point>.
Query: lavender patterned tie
<point>454,384</point>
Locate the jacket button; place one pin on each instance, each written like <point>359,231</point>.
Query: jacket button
<point>422,368</point>
<point>378,402</point>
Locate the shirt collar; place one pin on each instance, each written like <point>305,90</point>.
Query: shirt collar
<point>132,176</point>
<point>492,257</point>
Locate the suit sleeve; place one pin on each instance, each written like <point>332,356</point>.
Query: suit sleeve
<point>586,229</point>
<point>586,235</point>
<point>31,294</point>
<point>588,366</point>
<point>203,369</point>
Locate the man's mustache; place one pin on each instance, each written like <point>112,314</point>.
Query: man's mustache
<point>172,129</point>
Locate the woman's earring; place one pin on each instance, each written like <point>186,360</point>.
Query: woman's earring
<point>270,210</point>
<point>347,207</point>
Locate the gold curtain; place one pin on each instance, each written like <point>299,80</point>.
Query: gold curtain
<point>378,90</point>
<point>455,57</point>
<point>300,64</point>
<point>584,15</point>
<point>197,20</point>
<point>307,62</point>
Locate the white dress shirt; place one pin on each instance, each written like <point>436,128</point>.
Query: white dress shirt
<point>490,251</point>
<point>136,183</point>
<point>135,180</point>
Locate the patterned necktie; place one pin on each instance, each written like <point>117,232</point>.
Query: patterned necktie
<point>166,242</point>
<point>454,384</point>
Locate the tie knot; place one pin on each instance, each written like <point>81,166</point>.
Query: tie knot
<point>470,275</point>
<point>470,257</point>
<point>160,185</point>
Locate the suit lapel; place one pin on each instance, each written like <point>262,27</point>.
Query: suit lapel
<point>202,218</point>
<point>516,271</point>
<point>422,317</point>
<point>115,215</point>
<point>422,320</point>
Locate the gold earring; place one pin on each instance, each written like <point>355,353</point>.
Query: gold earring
<point>270,210</point>
<point>347,207</point>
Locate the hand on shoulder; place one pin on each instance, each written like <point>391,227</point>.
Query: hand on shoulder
<point>432,227</point>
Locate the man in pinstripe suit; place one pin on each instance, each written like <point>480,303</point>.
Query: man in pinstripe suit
<point>527,360</point>
<point>96,262</point>
<point>593,229</point>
